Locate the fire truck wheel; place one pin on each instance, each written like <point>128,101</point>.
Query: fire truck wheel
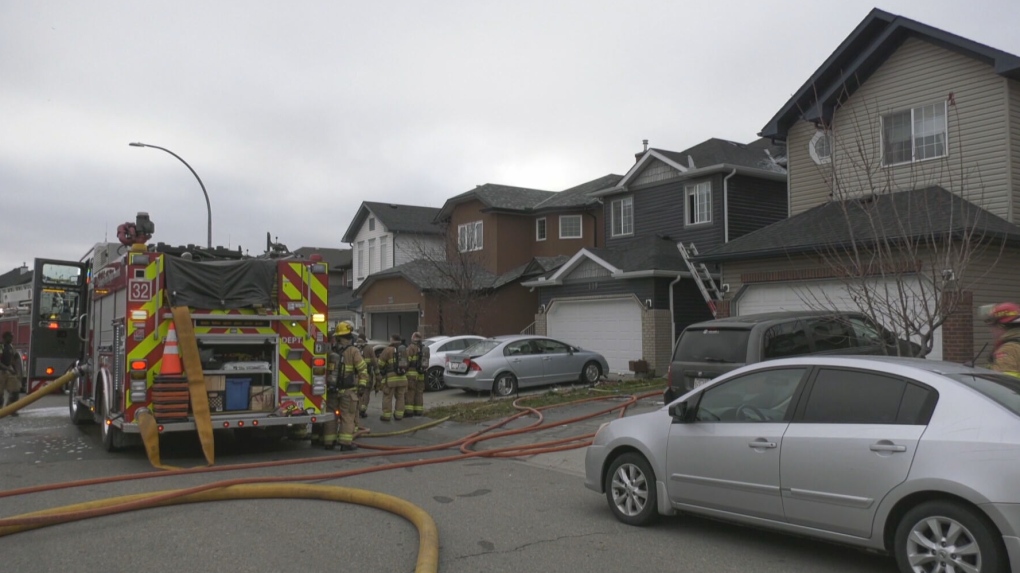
<point>113,438</point>
<point>79,413</point>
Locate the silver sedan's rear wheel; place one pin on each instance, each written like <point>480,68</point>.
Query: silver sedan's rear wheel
<point>630,490</point>
<point>945,536</point>
<point>505,384</point>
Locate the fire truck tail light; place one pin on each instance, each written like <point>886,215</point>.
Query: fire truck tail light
<point>318,362</point>
<point>318,269</point>
<point>318,317</point>
<point>318,386</point>
<point>139,315</point>
<point>52,326</point>
<point>254,422</point>
<point>138,365</point>
<point>50,371</point>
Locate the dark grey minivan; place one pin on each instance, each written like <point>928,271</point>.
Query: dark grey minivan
<point>707,349</point>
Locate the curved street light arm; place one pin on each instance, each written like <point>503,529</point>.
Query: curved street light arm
<point>208,207</point>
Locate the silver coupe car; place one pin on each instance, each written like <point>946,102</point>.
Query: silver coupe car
<point>505,364</point>
<point>917,458</point>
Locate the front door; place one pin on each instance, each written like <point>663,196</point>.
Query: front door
<point>728,457</point>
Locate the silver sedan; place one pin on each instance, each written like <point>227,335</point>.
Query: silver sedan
<point>505,364</point>
<point>920,459</point>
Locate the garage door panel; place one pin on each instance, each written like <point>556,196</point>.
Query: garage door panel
<point>610,327</point>
<point>821,295</point>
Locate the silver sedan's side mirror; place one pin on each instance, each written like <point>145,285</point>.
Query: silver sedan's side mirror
<point>679,412</point>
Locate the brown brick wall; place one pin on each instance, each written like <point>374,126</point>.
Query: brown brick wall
<point>722,309</point>
<point>958,329</point>
<point>655,332</point>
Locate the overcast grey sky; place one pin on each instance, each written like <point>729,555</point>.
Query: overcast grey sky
<point>293,113</point>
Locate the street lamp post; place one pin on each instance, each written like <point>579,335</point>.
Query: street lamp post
<point>208,208</point>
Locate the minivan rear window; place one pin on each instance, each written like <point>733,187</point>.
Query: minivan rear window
<point>713,345</point>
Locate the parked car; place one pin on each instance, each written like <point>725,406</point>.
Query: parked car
<point>505,364</point>
<point>917,458</point>
<point>439,347</point>
<point>707,349</point>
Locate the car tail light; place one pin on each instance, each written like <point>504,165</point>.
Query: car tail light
<point>472,365</point>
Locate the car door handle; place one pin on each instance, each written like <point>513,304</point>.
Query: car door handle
<point>761,444</point>
<point>887,448</point>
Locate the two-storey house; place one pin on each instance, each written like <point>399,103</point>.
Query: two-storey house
<point>904,186</point>
<point>629,295</point>
<point>383,236</point>
<point>496,236</point>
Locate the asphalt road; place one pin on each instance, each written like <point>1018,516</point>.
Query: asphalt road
<point>493,514</point>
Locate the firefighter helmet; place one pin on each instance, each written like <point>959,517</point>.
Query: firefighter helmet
<point>1004,313</point>
<point>343,328</point>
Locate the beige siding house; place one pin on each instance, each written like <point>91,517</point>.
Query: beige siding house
<point>907,136</point>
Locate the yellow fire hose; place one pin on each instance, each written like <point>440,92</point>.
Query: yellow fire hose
<point>428,534</point>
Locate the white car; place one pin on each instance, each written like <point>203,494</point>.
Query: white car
<point>439,346</point>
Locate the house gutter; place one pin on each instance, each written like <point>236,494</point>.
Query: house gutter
<point>672,314</point>
<point>726,205</point>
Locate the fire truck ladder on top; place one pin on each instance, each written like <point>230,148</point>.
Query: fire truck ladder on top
<point>702,277</point>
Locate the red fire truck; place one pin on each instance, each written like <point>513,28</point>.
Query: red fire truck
<point>253,330</point>
<point>45,326</point>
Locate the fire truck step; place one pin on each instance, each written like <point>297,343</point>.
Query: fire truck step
<point>170,387</point>
<point>170,396</point>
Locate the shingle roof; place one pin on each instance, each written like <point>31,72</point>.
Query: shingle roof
<point>14,277</point>
<point>651,253</point>
<point>861,54</point>
<point>412,219</point>
<point>720,151</point>
<point>579,195</point>
<point>335,258</point>
<point>929,212</point>
<point>500,197</point>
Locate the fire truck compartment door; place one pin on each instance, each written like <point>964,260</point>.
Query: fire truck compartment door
<point>220,284</point>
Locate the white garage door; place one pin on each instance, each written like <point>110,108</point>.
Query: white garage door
<point>609,327</point>
<point>810,295</point>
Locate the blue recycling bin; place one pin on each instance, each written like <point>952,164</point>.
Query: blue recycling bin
<point>238,393</point>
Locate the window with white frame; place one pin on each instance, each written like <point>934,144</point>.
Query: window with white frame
<point>348,277</point>
<point>820,147</point>
<point>914,134</point>
<point>540,229</point>
<point>384,253</point>
<point>361,259</point>
<point>371,256</point>
<point>622,215</point>
<point>469,236</point>
<point>371,223</point>
<point>570,226</point>
<point>699,203</point>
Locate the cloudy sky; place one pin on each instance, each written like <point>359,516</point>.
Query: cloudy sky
<point>293,113</point>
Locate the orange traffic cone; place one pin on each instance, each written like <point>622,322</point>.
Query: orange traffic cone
<point>171,365</point>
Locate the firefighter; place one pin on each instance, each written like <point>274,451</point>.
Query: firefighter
<point>393,370</point>
<point>347,375</point>
<point>414,401</point>
<point>1005,321</point>
<point>372,361</point>
<point>10,371</point>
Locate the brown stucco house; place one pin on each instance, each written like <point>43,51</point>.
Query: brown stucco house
<point>496,236</point>
<point>628,296</point>
<point>904,183</point>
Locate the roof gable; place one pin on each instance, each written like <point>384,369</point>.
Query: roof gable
<point>863,52</point>
<point>395,218</point>
<point>499,198</point>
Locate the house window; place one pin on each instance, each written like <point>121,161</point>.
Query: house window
<point>820,147</point>
<point>469,236</point>
<point>371,223</point>
<point>622,214</point>
<point>570,226</point>
<point>371,256</point>
<point>914,134</point>
<point>699,203</point>
<point>384,253</point>
<point>348,277</point>
<point>361,259</point>
<point>540,229</point>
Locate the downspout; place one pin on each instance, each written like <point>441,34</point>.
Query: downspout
<point>672,316</point>
<point>726,205</point>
